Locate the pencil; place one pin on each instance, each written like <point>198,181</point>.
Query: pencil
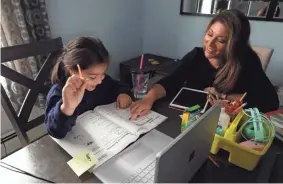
<point>242,98</point>
<point>80,71</point>
<point>242,106</point>
<point>213,161</point>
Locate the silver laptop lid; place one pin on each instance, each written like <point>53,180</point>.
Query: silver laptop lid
<point>182,158</point>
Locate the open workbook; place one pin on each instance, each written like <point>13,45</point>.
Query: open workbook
<point>106,131</point>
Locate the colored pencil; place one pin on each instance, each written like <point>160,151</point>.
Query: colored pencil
<point>239,108</point>
<point>244,95</point>
<point>213,161</point>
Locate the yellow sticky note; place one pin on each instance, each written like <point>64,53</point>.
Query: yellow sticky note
<point>82,162</point>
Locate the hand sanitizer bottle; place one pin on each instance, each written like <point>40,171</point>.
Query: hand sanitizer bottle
<point>223,122</point>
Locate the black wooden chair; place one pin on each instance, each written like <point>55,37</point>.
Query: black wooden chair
<point>20,121</point>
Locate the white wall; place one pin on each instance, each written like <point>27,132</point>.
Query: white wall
<point>167,33</point>
<point>115,22</point>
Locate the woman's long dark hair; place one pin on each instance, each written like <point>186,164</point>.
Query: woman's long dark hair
<point>238,46</point>
<point>85,51</point>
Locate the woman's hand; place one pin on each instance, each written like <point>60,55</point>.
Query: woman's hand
<point>123,101</point>
<point>141,107</point>
<point>72,94</point>
<point>214,92</point>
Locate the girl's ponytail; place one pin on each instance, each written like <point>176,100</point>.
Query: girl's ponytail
<point>58,74</point>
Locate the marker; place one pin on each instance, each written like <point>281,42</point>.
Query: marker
<point>193,108</point>
<point>185,119</point>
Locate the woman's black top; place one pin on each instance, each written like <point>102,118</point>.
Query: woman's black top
<point>195,71</point>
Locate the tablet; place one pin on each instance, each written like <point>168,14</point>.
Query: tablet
<point>188,97</point>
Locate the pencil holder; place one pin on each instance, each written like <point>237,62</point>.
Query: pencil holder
<point>239,155</point>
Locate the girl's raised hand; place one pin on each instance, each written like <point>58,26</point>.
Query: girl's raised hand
<point>72,94</point>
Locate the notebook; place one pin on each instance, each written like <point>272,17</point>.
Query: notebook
<point>106,131</point>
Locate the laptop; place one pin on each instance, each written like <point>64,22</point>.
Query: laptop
<point>157,158</point>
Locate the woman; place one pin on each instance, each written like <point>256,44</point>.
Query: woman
<point>226,66</point>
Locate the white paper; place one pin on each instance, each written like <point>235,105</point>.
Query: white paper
<point>121,117</point>
<point>97,135</point>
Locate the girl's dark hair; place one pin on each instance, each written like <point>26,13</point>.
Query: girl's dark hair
<point>238,47</point>
<point>85,51</point>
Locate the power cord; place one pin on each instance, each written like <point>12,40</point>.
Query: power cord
<point>265,121</point>
<point>23,172</point>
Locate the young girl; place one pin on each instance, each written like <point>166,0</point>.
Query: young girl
<point>72,94</point>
